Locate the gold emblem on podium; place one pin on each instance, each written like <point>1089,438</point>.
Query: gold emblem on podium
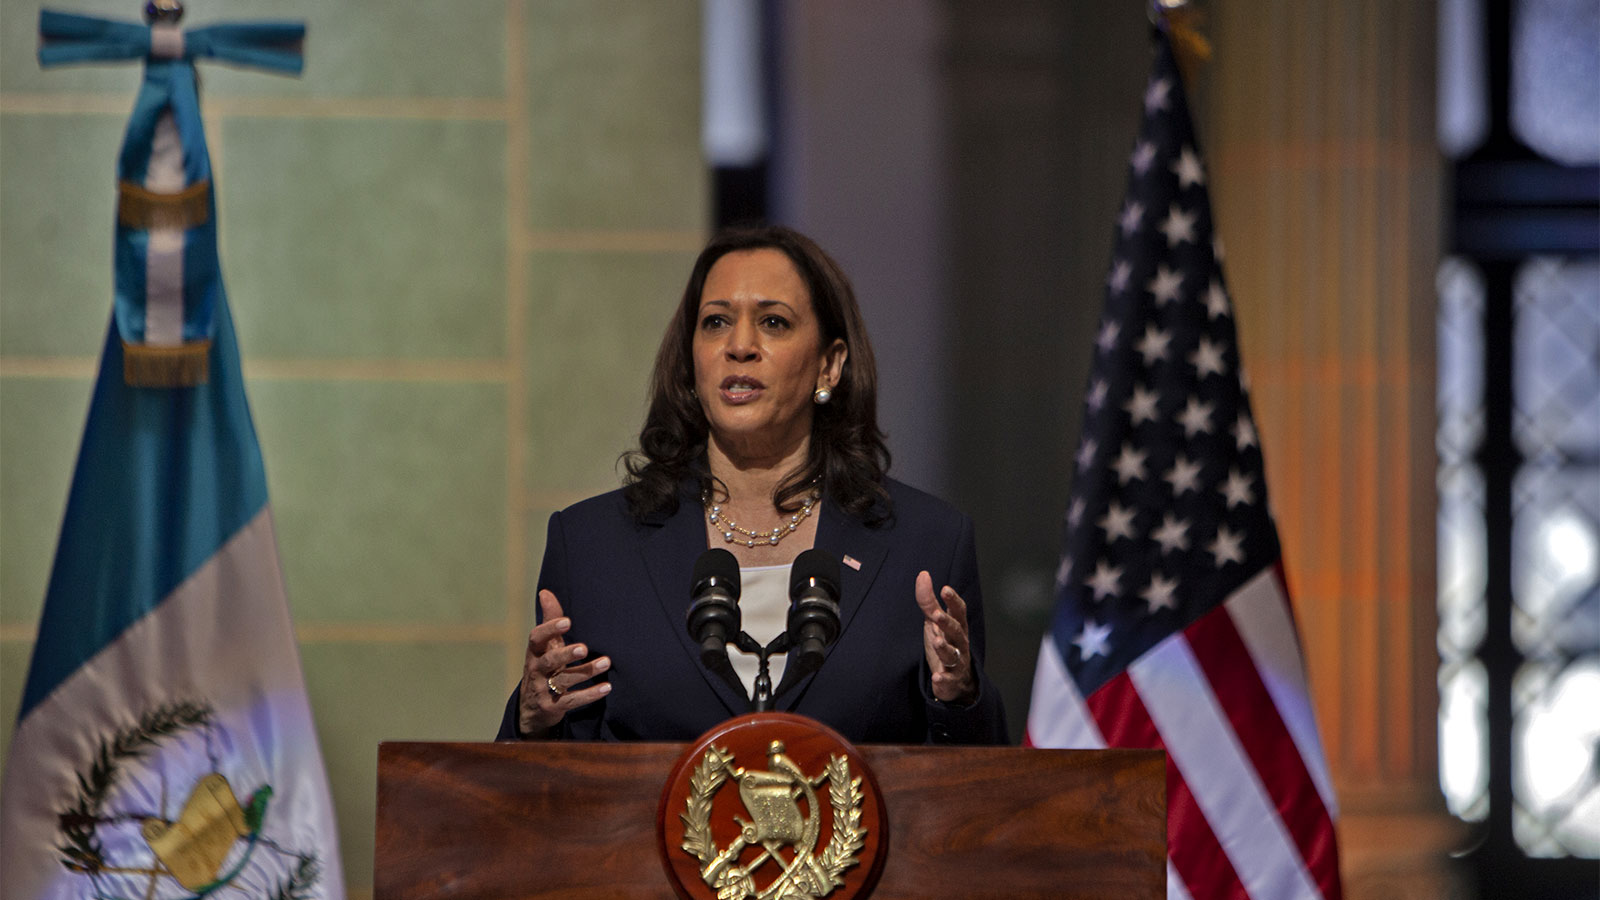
<point>786,835</point>
<point>771,806</point>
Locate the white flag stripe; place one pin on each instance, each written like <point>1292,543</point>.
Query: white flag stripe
<point>163,288</point>
<point>1201,743</point>
<point>163,268</point>
<point>1176,889</point>
<point>255,688</point>
<point>1260,613</point>
<point>164,172</point>
<point>166,41</point>
<point>1057,715</point>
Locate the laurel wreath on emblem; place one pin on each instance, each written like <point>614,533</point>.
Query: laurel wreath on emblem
<point>732,882</point>
<point>82,850</point>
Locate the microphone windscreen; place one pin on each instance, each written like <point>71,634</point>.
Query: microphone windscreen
<point>817,564</point>
<point>720,564</point>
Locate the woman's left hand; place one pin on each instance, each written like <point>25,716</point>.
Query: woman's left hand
<point>944,639</point>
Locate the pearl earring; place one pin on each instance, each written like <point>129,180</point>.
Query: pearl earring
<point>822,395</point>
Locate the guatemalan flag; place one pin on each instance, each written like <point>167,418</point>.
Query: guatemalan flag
<point>1173,628</point>
<point>165,746</point>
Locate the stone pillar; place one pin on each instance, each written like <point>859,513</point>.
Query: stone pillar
<point>1319,129</point>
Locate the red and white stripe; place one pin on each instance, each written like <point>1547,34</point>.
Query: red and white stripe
<point>1250,805</point>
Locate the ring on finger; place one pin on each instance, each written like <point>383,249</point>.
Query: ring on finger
<point>550,685</point>
<point>952,666</point>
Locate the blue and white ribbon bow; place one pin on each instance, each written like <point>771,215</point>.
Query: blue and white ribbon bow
<point>168,280</point>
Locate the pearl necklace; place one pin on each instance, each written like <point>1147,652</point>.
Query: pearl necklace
<point>728,527</point>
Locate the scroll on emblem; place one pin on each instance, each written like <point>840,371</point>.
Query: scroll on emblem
<point>802,819</point>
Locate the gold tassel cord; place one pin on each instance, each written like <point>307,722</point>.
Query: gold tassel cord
<point>141,208</point>
<point>185,365</point>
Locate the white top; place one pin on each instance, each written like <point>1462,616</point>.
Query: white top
<point>763,614</point>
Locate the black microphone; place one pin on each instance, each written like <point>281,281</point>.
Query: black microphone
<point>713,617</point>
<point>814,607</point>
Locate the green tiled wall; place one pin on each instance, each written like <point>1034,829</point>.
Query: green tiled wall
<point>450,249</point>
<point>613,343</point>
<point>41,424</point>
<point>389,498</point>
<point>51,302</point>
<point>303,195</point>
<point>369,692</point>
<point>614,148</point>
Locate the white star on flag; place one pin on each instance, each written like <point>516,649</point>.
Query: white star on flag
<point>1188,169</point>
<point>1155,96</point>
<point>1141,406</point>
<point>1118,279</point>
<point>1207,358</point>
<point>1166,285</point>
<point>1128,221</point>
<point>1153,346</point>
<point>1104,581</point>
<point>1179,226</point>
<point>1086,452</point>
<point>1228,547</point>
<point>1075,512</point>
<point>1216,300</point>
<point>1143,155</point>
<point>1117,523</point>
<point>1130,464</point>
<point>1097,395</point>
<point>1183,476</point>
<point>1237,489</point>
<point>1158,594</point>
<point>1173,534</point>
<point>1244,432</point>
<point>1106,340</point>
<point>1064,571</point>
<point>1094,640</point>
<point>1196,417</point>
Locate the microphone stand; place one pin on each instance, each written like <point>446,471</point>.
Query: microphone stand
<point>762,702</point>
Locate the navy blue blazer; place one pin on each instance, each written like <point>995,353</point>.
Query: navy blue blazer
<point>625,584</point>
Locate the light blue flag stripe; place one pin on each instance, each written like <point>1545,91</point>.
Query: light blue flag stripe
<point>165,477</point>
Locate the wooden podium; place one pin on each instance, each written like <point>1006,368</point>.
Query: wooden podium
<point>560,820</point>
<point>573,820</point>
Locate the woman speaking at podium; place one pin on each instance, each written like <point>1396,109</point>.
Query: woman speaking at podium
<point>762,438</point>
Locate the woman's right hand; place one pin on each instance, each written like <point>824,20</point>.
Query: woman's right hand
<point>550,678</point>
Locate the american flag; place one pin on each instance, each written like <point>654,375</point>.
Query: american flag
<point>1172,627</point>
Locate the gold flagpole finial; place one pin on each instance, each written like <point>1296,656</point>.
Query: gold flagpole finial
<point>1181,19</point>
<point>163,12</point>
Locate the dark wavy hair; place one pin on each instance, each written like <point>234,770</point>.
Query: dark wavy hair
<point>848,457</point>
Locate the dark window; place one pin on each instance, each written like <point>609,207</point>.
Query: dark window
<point>1519,440</point>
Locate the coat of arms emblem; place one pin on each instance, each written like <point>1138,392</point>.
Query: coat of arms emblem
<point>792,830</point>
<point>174,827</point>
